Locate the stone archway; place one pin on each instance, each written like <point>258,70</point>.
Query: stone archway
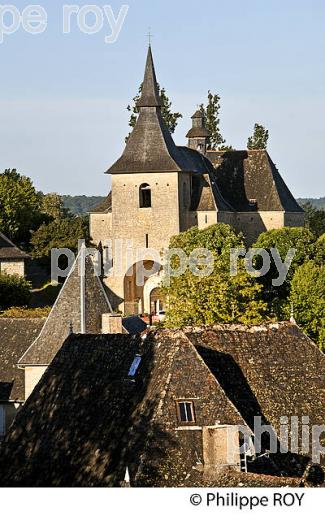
<point>138,284</point>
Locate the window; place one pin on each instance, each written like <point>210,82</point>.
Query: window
<point>185,412</point>
<point>134,367</point>
<point>206,219</point>
<point>147,240</point>
<point>145,196</point>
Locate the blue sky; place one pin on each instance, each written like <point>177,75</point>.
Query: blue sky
<point>63,97</point>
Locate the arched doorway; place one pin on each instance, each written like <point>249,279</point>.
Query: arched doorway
<point>137,281</point>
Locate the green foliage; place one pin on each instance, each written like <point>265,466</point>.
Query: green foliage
<point>14,291</point>
<point>316,203</point>
<point>319,253</point>
<point>20,206</point>
<point>170,118</point>
<point>315,219</point>
<point>80,205</point>
<point>212,122</point>
<point>308,298</point>
<point>53,206</point>
<point>62,233</point>
<point>300,239</point>
<point>259,139</point>
<point>25,312</point>
<point>197,300</point>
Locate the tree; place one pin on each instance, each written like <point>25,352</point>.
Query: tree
<point>63,233</point>
<point>170,118</point>
<point>315,219</point>
<point>259,139</point>
<point>14,291</point>
<point>20,206</point>
<point>53,206</point>
<point>308,298</point>
<point>219,297</point>
<point>300,239</point>
<point>212,122</point>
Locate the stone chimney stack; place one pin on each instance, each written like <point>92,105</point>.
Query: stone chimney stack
<point>112,324</point>
<point>198,135</point>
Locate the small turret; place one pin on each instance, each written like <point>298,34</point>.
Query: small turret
<point>198,135</point>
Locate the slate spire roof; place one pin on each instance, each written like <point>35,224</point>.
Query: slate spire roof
<point>149,92</point>
<point>150,147</point>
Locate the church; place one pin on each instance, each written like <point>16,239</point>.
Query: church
<point>160,189</point>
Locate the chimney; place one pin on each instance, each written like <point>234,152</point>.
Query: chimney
<point>112,324</point>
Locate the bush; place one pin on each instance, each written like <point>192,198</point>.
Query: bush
<point>14,291</point>
<point>25,312</point>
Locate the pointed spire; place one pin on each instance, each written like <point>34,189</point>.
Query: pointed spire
<point>149,93</point>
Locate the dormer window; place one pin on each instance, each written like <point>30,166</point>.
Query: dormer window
<point>252,203</point>
<point>185,412</point>
<point>145,196</point>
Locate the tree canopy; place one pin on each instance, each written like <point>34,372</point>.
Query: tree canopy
<point>308,298</point>
<point>20,206</point>
<point>14,291</point>
<point>259,139</point>
<point>315,219</point>
<point>219,297</point>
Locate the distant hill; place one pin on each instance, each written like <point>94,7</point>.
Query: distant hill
<point>80,204</point>
<point>317,203</point>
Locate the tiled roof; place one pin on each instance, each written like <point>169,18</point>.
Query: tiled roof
<point>88,419</point>
<point>8,250</point>
<point>16,335</point>
<point>251,175</point>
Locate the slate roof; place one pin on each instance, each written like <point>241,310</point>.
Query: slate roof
<point>8,250</point>
<point>16,335</point>
<point>87,420</point>
<point>150,147</point>
<point>103,207</point>
<point>66,312</point>
<point>250,174</point>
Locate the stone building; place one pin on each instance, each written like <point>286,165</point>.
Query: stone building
<point>169,409</point>
<point>160,189</point>
<point>12,259</point>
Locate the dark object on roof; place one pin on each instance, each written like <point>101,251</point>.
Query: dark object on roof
<point>66,314</point>
<point>16,335</point>
<point>8,250</point>
<point>104,206</point>
<point>134,325</point>
<point>88,420</point>
<point>251,175</point>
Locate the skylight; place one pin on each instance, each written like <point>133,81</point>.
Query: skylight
<point>134,367</point>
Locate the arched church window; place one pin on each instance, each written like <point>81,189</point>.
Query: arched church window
<point>145,196</point>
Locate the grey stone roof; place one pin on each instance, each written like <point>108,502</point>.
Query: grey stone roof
<point>66,312</point>
<point>149,90</point>
<point>8,250</point>
<point>150,147</point>
<point>250,174</point>
<point>87,420</point>
<point>16,335</point>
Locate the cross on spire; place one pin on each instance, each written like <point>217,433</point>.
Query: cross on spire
<point>149,36</point>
